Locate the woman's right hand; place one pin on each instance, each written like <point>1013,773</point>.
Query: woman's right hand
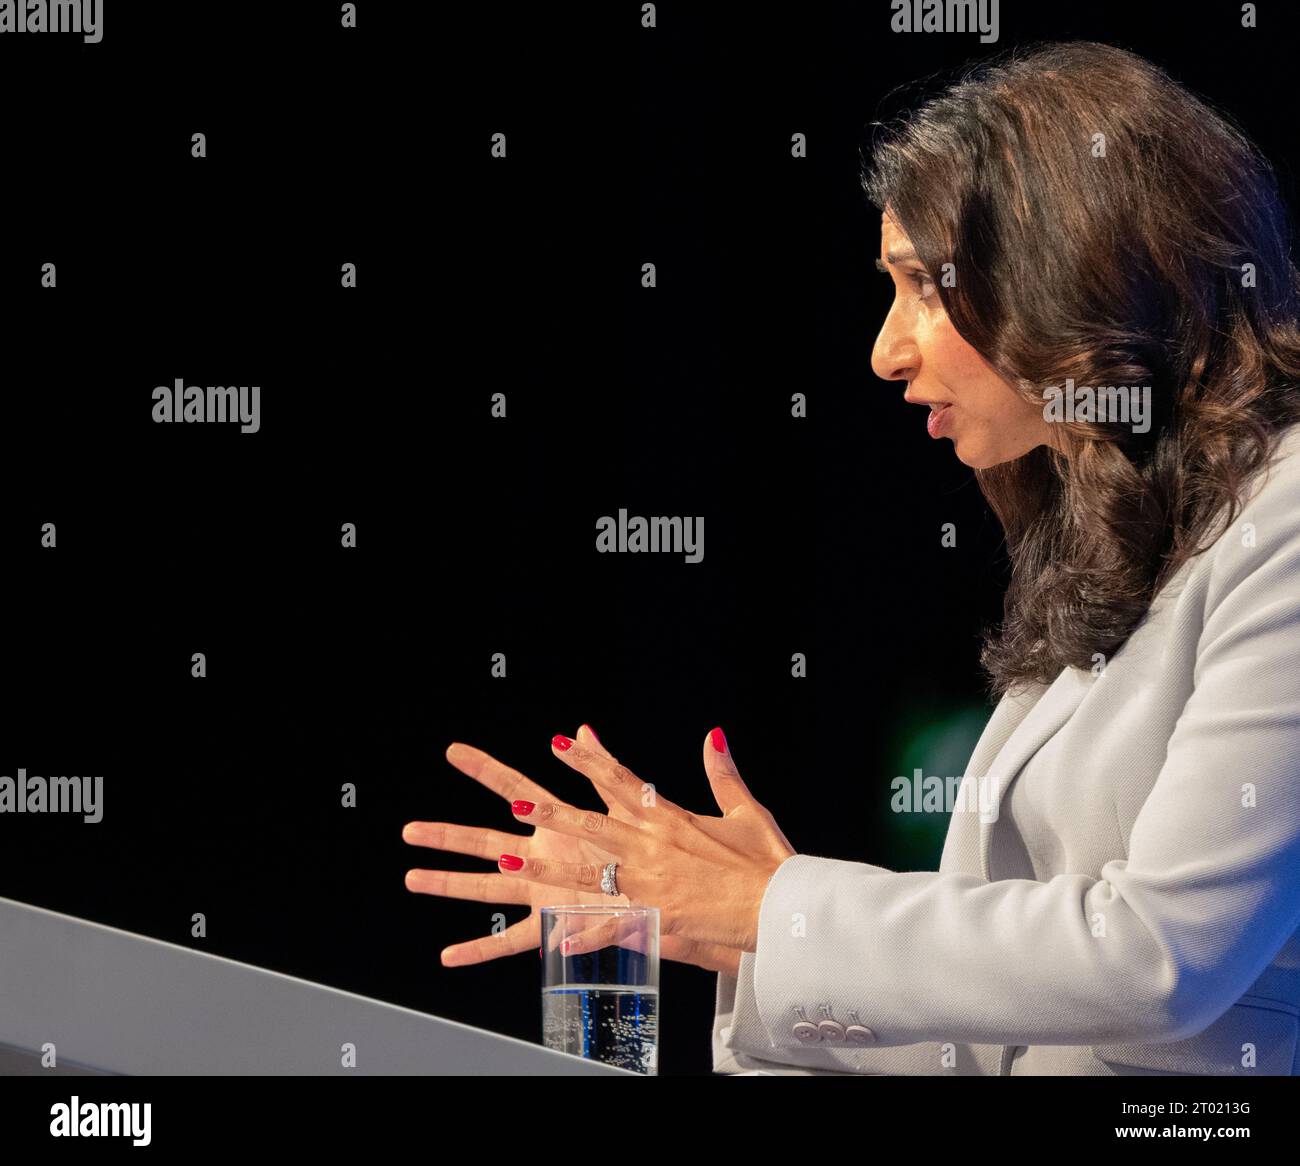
<point>495,887</point>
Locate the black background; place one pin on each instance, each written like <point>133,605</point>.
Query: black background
<point>476,535</point>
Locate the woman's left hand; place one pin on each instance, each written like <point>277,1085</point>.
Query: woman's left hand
<point>707,875</point>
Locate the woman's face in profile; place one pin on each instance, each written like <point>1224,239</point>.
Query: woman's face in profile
<point>987,420</point>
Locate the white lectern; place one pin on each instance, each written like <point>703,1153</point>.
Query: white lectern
<point>116,1003</point>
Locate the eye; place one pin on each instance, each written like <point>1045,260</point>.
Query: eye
<point>923,283</point>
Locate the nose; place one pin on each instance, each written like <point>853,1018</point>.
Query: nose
<point>895,356</point>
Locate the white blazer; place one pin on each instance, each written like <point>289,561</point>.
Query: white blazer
<point>1126,897</point>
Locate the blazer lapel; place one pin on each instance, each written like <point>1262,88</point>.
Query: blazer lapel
<point>1052,706</point>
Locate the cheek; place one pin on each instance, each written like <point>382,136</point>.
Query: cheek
<point>973,382</point>
<point>964,372</point>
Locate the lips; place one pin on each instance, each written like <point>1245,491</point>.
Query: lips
<point>934,424</point>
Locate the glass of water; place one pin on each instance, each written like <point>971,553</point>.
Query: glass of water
<point>600,997</point>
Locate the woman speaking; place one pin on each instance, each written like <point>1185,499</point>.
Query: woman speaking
<point>1094,298</point>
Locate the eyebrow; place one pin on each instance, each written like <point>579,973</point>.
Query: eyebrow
<point>893,257</point>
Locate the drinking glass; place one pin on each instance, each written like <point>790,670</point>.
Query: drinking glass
<point>602,1003</point>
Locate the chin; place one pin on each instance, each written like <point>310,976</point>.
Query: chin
<point>977,459</point>
<point>981,457</point>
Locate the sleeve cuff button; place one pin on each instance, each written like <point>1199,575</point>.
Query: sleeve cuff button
<point>805,1032</point>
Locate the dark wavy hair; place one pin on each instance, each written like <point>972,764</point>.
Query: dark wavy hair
<point>1122,269</point>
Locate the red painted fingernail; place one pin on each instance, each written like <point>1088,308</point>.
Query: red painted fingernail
<point>719,741</point>
<point>511,861</point>
<point>591,731</point>
<point>560,741</point>
<point>522,807</point>
<point>564,947</point>
<point>539,952</point>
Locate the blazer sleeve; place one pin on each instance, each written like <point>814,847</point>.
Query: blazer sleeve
<point>741,1044</point>
<point>736,1060</point>
<point>1208,894</point>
